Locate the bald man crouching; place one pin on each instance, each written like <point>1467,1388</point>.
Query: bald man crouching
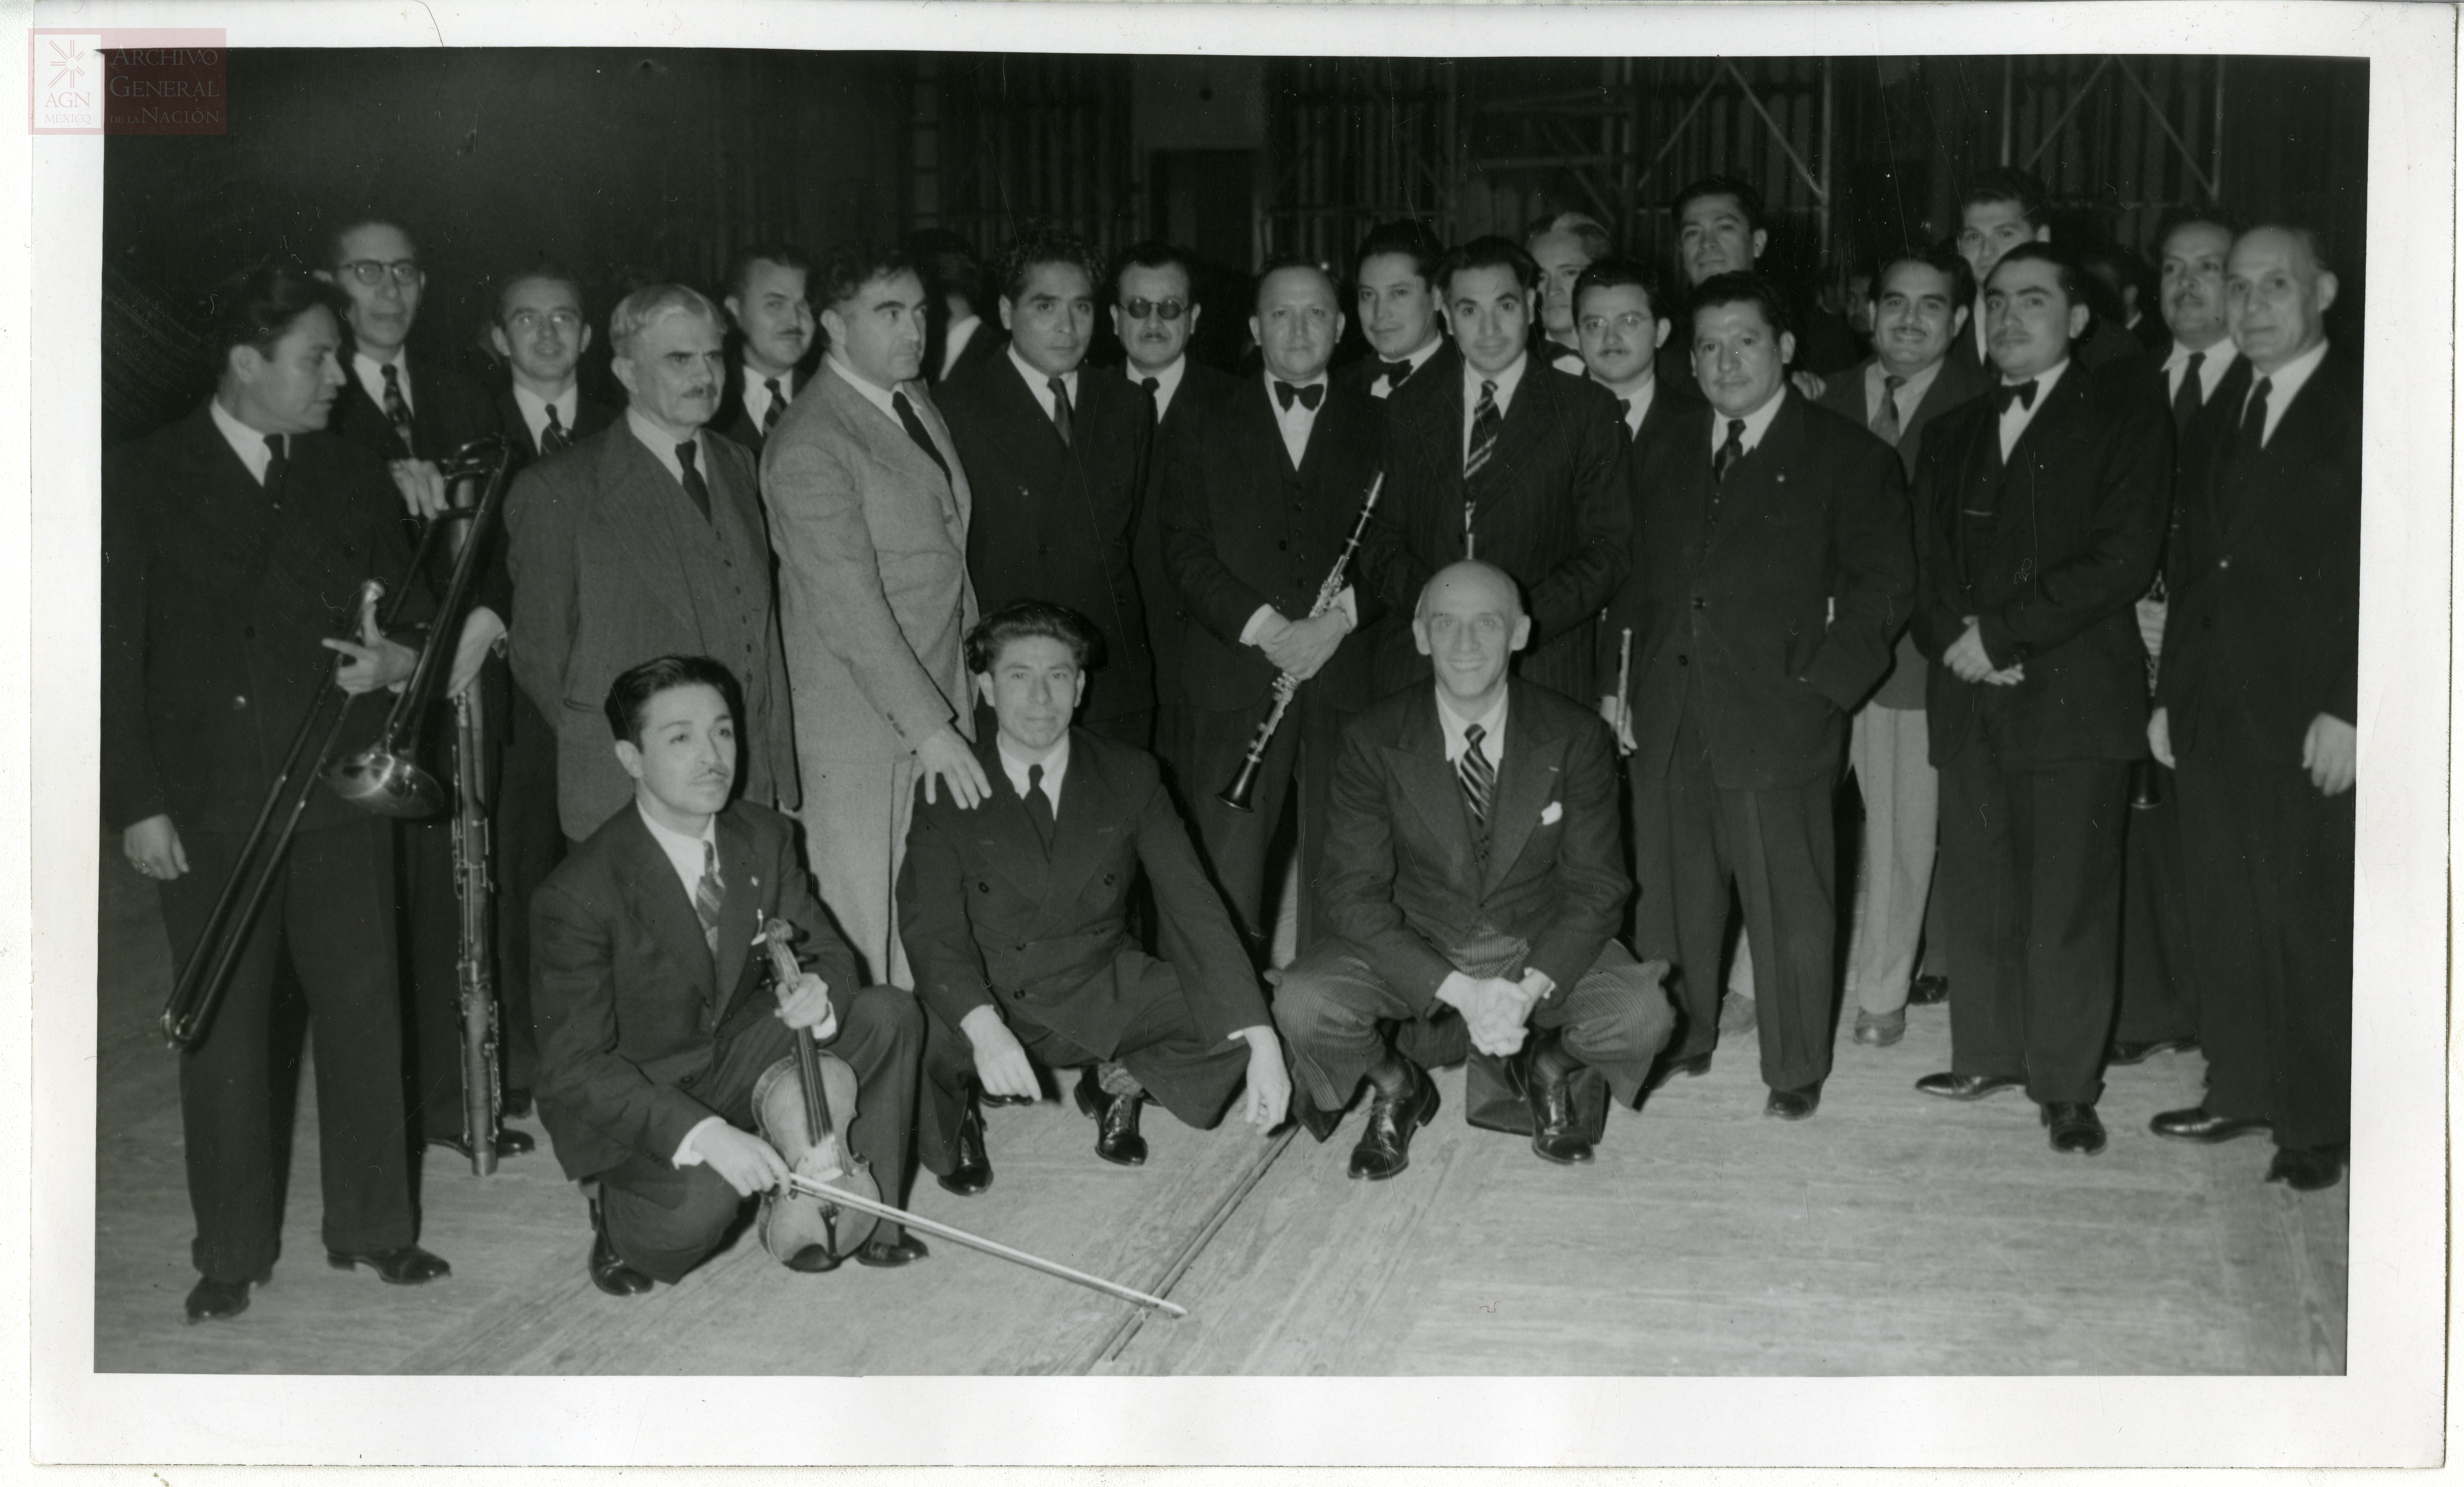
<point>1472,870</point>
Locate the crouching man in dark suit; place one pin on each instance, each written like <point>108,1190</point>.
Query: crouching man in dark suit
<point>653,1026</point>
<point>1014,914</point>
<point>1472,863</point>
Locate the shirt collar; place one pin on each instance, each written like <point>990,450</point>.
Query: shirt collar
<point>1638,404</point>
<point>372,377</point>
<point>1492,741</point>
<point>953,340</point>
<point>2046,380</point>
<point>2287,379</point>
<point>249,444</point>
<point>663,447</point>
<point>754,380</point>
<point>1757,423</point>
<point>1056,765</point>
<point>878,397</point>
<point>1421,358</point>
<point>1038,383</point>
<point>568,405</point>
<point>1507,381</point>
<point>684,853</point>
<point>1913,388</point>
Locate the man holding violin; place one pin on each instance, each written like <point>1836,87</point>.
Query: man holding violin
<point>233,543</point>
<point>654,1030</point>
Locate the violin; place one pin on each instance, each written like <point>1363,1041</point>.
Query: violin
<point>795,1104</point>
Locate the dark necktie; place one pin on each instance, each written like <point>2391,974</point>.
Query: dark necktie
<point>2253,420</point>
<point>397,407</point>
<point>709,896</point>
<point>553,436</point>
<point>1887,418</point>
<point>1479,777</point>
<point>1154,401</point>
<point>1730,452</point>
<point>778,405</point>
<point>1039,806</point>
<point>1060,407</point>
<point>1485,421</point>
<point>277,467</point>
<point>2023,394</point>
<point>1309,397</point>
<point>906,412</point>
<point>694,486</point>
<point>1395,373</point>
<point>2188,397</point>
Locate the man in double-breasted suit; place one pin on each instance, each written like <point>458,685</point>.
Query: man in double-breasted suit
<point>1474,868</point>
<point>658,1028</point>
<point>1056,462</point>
<point>234,545</point>
<point>1265,486</point>
<point>1920,302</point>
<point>1777,570</point>
<point>2258,700</point>
<point>646,540</point>
<point>1513,463</point>
<point>2041,510</point>
<point>1015,915</point>
<point>869,507</point>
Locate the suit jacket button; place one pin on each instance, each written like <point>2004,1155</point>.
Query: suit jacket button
<point>1282,546</point>
<point>2224,563</point>
<point>1107,880</point>
<point>1698,601</point>
<point>1018,997</point>
<point>982,887</point>
<point>1680,661</point>
<point>250,632</point>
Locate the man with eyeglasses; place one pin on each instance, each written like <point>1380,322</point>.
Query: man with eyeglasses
<point>1056,454</point>
<point>1265,486</point>
<point>2002,208</point>
<point>399,405</point>
<point>774,330</point>
<point>1154,315</point>
<point>1393,280</point>
<point>542,334</point>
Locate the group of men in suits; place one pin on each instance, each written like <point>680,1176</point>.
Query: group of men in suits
<point>879,610</point>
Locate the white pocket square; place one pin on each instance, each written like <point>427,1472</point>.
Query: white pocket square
<point>1555,813</point>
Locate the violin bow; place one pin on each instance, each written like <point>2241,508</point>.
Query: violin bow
<point>900,1216</point>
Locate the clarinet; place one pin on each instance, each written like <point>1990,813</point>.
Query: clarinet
<point>1236,795</point>
<point>476,977</point>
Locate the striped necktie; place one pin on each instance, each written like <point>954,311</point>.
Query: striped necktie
<point>709,896</point>
<point>554,436</point>
<point>397,408</point>
<point>1887,418</point>
<point>1479,779</point>
<point>1485,421</point>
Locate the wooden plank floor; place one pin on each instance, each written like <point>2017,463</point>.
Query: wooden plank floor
<point>1890,1234</point>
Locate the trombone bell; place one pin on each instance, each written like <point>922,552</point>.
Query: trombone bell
<point>386,783</point>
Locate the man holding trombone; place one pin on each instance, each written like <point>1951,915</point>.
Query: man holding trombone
<point>235,542</point>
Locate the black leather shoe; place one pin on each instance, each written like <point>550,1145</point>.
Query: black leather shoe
<point>1000,1102</point>
<point>1546,1088</point>
<point>1116,1121</point>
<point>509,1143</point>
<point>409,1265</point>
<point>2306,1169</point>
<point>973,1172</point>
<point>1968,1086</point>
<point>219,1301</point>
<point>1385,1146</point>
<point>2122,1054</point>
<point>2197,1124</point>
<point>1928,991</point>
<point>1693,1067</point>
<point>888,1254</point>
<point>1793,1105</point>
<point>518,1103</point>
<point>607,1269</point>
<point>2075,1127</point>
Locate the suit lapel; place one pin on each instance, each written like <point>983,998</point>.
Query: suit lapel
<point>1527,782</point>
<point>740,914</point>
<point>1260,427</point>
<point>1529,419</point>
<point>1417,756</point>
<point>643,500</point>
<point>1078,840</point>
<point>1008,839</point>
<point>658,900</point>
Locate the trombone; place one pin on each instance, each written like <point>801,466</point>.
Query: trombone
<point>382,777</point>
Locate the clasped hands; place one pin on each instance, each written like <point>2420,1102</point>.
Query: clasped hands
<point>1494,1009</point>
<point>1300,647</point>
<point>1968,662</point>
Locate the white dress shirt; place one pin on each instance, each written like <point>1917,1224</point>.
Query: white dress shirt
<point>1906,401</point>
<point>2016,418</point>
<point>878,397</point>
<point>2282,384</point>
<point>954,340</point>
<point>663,445</point>
<point>685,855</point>
<point>1038,383</point>
<point>371,375</point>
<point>1056,765</point>
<point>2220,359</point>
<point>1757,423</point>
<point>1167,382</point>
<point>1296,422</point>
<point>1563,355</point>
<point>1637,405</point>
<point>1492,748</point>
<point>249,444</point>
<point>1380,386</point>
<point>1507,381</point>
<point>534,410</point>
<point>757,392</point>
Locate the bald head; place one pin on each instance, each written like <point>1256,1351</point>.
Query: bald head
<point>1469,621</point>
<point>2276,295</point>
<point>1485,584</point>
<point>1298,321</point>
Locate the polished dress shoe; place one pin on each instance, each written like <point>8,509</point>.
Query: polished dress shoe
<point>1116,1121</point>
<point>1385,1146</point>
<point>2198,1124</point>
<point>1546,1087</point>
<point>1968,1086</point>
<point>2075,1127</point>
<point>1880,1029</point>
<point>973,1172</point>
<point>607,1269</point>
<point>1692,1066</point>
<point>2306,1169</point>
<point>1930,991</point>
<point>1793,1105</point>
<point>889,1253</point>
<point>2121,1054</point>
<point>219,1301</point>
<point>509,1143</point>
<point>409,1265</point>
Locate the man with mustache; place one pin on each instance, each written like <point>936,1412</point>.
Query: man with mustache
<point>1394,294</point>
<point>2001,210</point>
<point>1919,306</point>
<point>646,540</point>
<point>1563,246</point>
<point>234,543</point>
<point>1057,458</point>
<point>773,329</point>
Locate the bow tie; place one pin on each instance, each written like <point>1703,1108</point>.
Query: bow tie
<point>1310,396</point>
<point>1395,373</point>
<point>2023,394</point>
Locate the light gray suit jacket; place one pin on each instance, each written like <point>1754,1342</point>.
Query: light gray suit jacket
<point>612,566</point>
